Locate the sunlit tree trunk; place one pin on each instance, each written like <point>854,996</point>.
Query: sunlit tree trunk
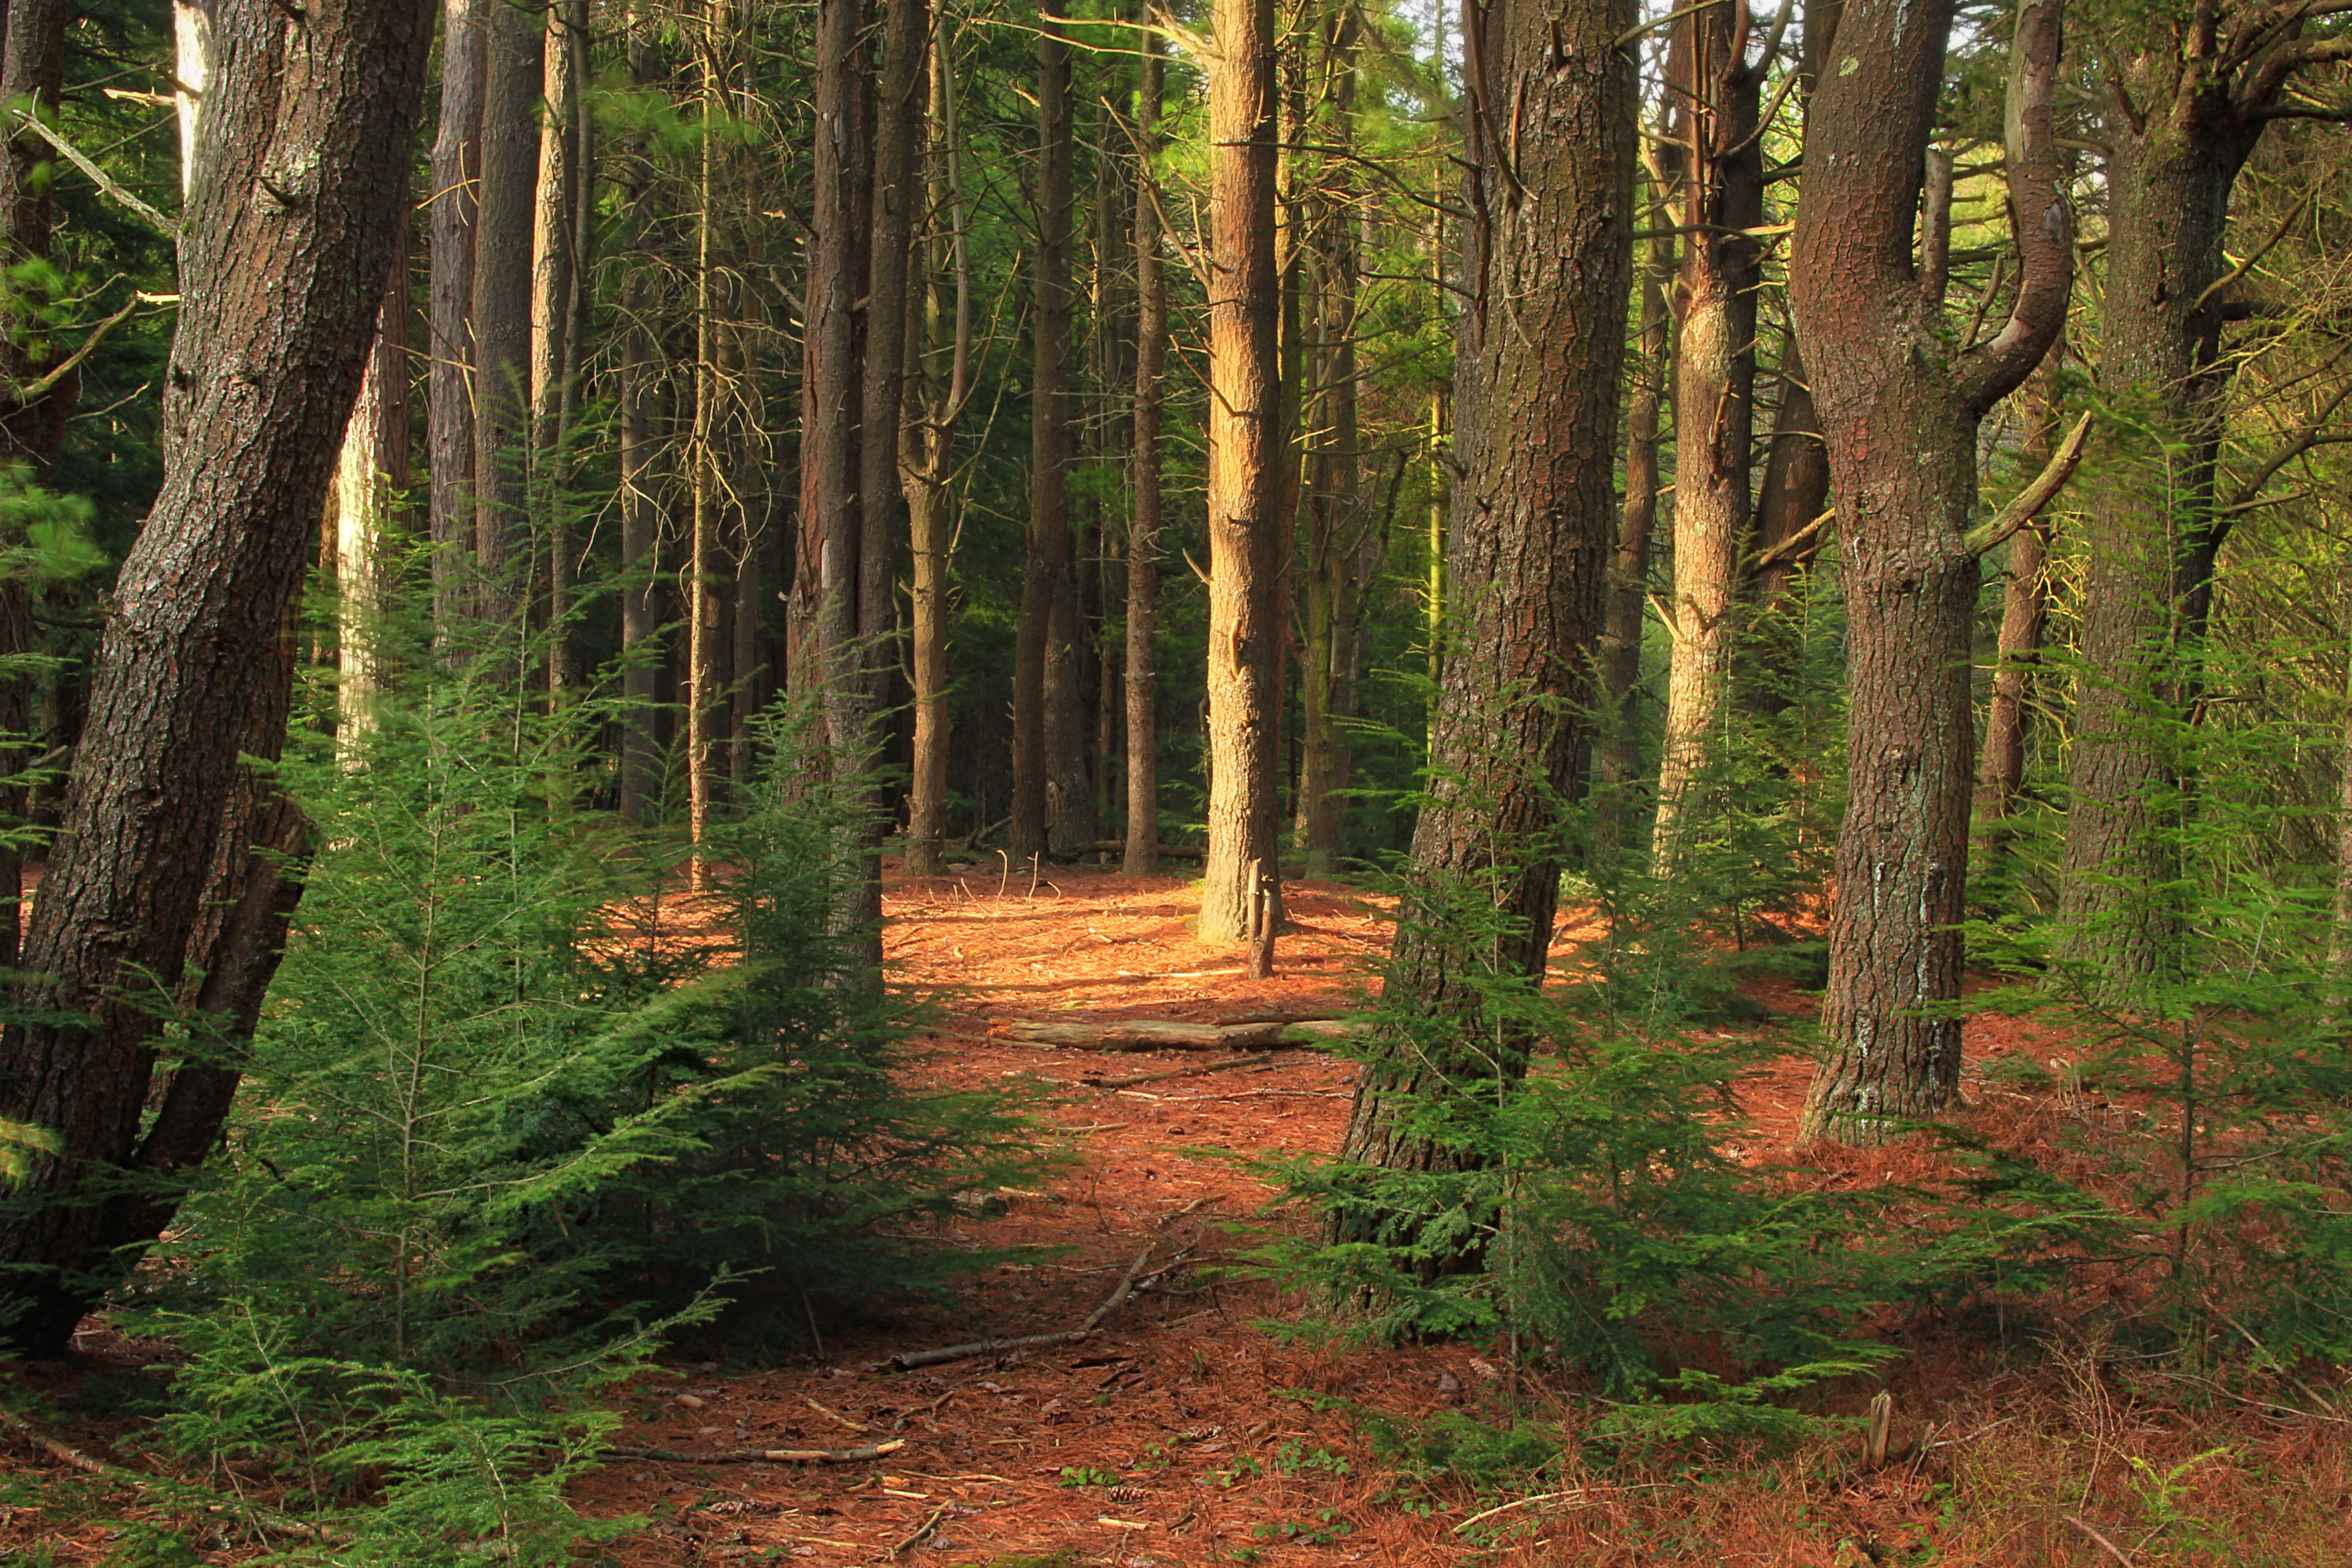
<point>1900,402</point>
<point>1715,396</point>
<point>1245,468</point>
<point>453,215</point>
<point>1142,857</point>
<point>1539,351</point>
<point>370,469</point>
<point>555,327</point>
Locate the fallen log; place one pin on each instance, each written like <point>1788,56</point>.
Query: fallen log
<point>758,1455</point>
<point>1167,1034</point>
<point>1195,1069</point>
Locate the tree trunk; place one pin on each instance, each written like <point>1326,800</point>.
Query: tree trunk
<point>1540,350</point>
<point>1246,466</point>
<point>1044,579</point>
<point>503,280</point>
<point>370,471</point>
<point>451,227</point>
<point>1714,400</point>
<point>1141,857</point>
<point>926,448</point>
<point>1618,761</point>
<point>2025,611</point>
<point>291,233</point>
<point>2175,146</point>
<point>554,298</point>
<point>1900,402</point>
<point>642,607</point>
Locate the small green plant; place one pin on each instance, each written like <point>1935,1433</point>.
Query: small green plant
<point>2160,1496</point>
<point>1085,1476</point>
<point>1243,1467</point>
<point>1294,1457</point>
<point>1325,1528</point>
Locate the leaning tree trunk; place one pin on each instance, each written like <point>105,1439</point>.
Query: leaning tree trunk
<point>1540,350</point>
<point>2025,612</point>
<point>1245,468</point>
<point>1900,404</point>
<point>291,230</point>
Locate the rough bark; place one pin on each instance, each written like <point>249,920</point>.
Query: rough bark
<point>1715,397</point>
<point>452,218</point>
<point>555,312</point>
<point>705,668</point>
<point>1900,400</point>
<point>1539,352</point>
<point>1044,579</point>
<point>2184,112</point>
<point>292,227</point>
<point>1246,466</point>
<point>514,44</point>
<point>1141,857</point>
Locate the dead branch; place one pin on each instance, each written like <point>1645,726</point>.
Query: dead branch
<point>1195,1069</point>
<point>166,1494</point>
<point>1169,1035</point>
<point>758,1455</point>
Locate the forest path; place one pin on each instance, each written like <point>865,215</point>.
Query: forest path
<point>1166,1438</point>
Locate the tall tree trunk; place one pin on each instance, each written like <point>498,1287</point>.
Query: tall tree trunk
<point>554,307</point>
<point>1714,398</point>
<point>1142,857</point>
<point>1900,405</point>
<point>2182,117</point>
<point>454,218</point>
<point>291,232</point>
<point>1540,350</point>
<point>926,448</point>
<point>1245,468</point>
<point>1619,761</point>
<point>502,285</point>
<point>642,604</point>
<point>705,668</point>
<point>369,470</point>
<point>898,196</point>
<point>1045,580</point>
<point>2025,612</point>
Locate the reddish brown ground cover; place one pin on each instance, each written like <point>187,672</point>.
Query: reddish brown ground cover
<point>1186,1433</point>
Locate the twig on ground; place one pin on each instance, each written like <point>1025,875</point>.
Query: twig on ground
<point>171,1495</point>
<point>909,1361</point>
<point>922,1531</point>
<point>2112,1549</point>
<point>1572,1497</point>
<point>833,1414</point>
<point>758,1455</point>
<point>1195,1070</point>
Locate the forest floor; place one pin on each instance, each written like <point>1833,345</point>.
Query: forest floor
<point>1188,1432</point>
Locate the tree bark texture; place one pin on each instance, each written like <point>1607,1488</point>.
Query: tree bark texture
<point>453,217</point>
<point>1539,352</point>
<point>1715,397</point>
<point>514,47</point>
<point>1045,580</point>
<point>293,226</point>
<point>370,469</point>
<point>556,301</point>
<point>1142,855</point>
<point>1900,400</point>
<point>2183,115</point>
<point>642,609</point>
<point>1246,466</point>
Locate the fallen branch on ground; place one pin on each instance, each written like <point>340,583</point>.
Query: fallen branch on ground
<point>758,1455</point>
<point>913,1359</point>
<point>1169,1035</point>
<point>1193,1070</point>
<point>1165,851</point>
<point>176,1496</point>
